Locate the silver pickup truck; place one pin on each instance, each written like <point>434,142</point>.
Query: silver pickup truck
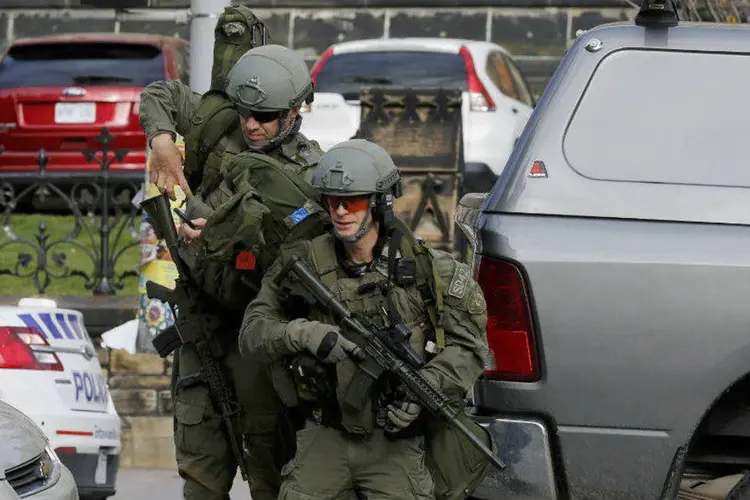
<point>614,255</point>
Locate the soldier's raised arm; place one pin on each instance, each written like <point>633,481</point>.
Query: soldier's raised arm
<point>167,108</point>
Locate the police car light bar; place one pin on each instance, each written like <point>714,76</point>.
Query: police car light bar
<point>37,302</point>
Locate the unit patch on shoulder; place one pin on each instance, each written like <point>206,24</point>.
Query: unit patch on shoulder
<point>302,213</point>
<point>459,282</point>
<point>299,215</point>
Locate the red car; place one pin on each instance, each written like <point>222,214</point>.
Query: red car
<point>58,92</point>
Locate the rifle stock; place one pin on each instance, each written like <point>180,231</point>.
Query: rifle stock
<point>379,358</point>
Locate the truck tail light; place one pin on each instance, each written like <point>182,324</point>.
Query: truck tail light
<point>510,332</point>
<point>479,98</point>
<point>25,348</point>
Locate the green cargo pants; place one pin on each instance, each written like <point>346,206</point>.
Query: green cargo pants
<point>204,454</point>
<point>331,465</point>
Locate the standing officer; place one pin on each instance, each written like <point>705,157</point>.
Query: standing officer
<point>378,451</point>
<point>226,258</point>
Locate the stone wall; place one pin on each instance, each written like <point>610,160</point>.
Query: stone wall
<point>139,386</point>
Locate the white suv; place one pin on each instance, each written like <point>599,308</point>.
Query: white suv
<point>50,371</point>
<point>496,105</point>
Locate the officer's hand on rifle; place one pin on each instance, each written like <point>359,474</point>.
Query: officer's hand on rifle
<point>165,161</point>
<point>401,414</point>
<point>323,341</point>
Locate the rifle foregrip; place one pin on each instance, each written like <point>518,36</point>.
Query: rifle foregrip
<point>430,397</point>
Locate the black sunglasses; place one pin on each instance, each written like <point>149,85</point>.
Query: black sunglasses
<point>261,116</point>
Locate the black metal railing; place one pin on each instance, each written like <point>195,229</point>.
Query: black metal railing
<point>105,224</point>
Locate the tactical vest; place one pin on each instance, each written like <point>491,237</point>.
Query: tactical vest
<point>456,466</point>
<point>366,301</point>
<point>214,121</point>
<point>428,282</point>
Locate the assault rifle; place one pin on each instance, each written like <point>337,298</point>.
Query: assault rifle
<point>381,355</point>
<point>190,326</point>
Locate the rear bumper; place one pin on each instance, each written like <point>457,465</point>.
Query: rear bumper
<point>524,446</point>
<point>83,467</point>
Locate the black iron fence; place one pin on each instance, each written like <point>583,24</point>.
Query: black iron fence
<point>101,223</point>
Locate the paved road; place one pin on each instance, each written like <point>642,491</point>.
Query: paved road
<point>142,484</point>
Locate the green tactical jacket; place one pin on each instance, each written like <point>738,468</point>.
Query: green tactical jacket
<point>167,106</point>
<point>267,328</point>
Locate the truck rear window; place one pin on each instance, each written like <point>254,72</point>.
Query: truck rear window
<point>79,63</point>
<point>664,117</point>
<point>348,73</point>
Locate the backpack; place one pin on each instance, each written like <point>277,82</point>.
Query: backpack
<point>270,204</point>
<point>214,120</point>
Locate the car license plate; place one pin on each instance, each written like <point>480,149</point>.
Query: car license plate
<point>75,112</point>
<point>100,476</point>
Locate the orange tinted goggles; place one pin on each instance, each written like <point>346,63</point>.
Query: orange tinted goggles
<point>350,203</point>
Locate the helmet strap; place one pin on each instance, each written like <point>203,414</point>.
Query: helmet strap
<point>384,210</point>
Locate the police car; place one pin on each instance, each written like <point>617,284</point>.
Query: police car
<point>50,371</point>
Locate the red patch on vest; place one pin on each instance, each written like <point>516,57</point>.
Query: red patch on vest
<point>245,260</point>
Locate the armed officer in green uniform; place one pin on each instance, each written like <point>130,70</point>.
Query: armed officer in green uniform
<point>228,254</point>
<point>377,451</point>
<point>208,122</point>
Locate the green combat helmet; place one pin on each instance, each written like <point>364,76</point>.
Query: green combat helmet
<point>358,167</point>
<point>237,31</point>
<point>267,80</point>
